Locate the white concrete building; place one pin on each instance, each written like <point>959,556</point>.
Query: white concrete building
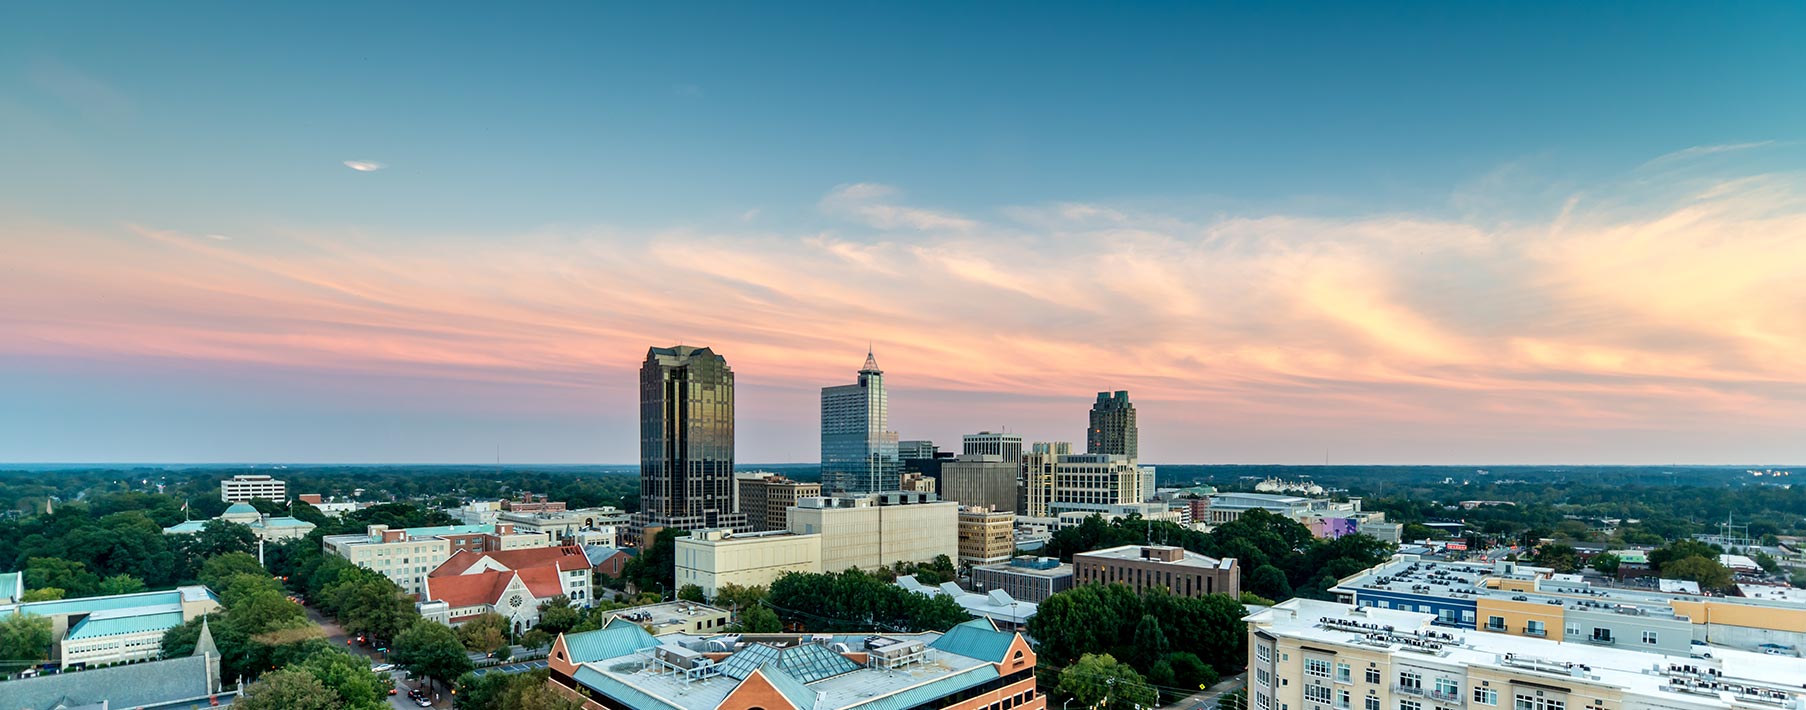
<point>714,557</point>
<point>243,487</point>
<point>407,555</point>
<point>124,627</point>
<point>872,531</point>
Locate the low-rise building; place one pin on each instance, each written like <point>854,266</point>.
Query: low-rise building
<point>718,556</point>
<point>406,555</point>
<point>1181,571</point>
<point>678,617</point>
<point>243,487</point>
<point>972,666</point>
<point>1003,610</point>
<point>265,527</point>
<point>607,561</point>
<point>1315,655</point>
<point>115,629</point>
<point>1030,579</point>
<point>986,536</point>
<point>589,526</point>
<point>331,508</point>
<point>513,583</point>
<point>182,683</point>
<point>871,531</point>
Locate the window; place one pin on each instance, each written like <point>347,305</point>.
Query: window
<point>1372,703</point>
<point>1316,667</point>
<point>1467,616</point>
<point>1649,637</point>
<point>1486,696</point>
<point>1602,635</point>
<point>1317,694</point>
<point>1263,702</point>
<point>1373,675</point>
<point>1495,623</point>
<point>1536,702</point>
<point>1264,654</point>
<point>1535,628</point>
<point>1410,680</point>
<point>1409,705</point>
<point>1573,629</point>
<point>1342,699</point>
<point>1262,677</point>
<point>1342,673</point>
<point>1448,688</point>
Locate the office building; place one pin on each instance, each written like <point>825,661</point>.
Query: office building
<point>1094,483</point>
<point>715,557</point>
<point>858,449</point>
<point>972,666</point>
<point>765,496</point>
<point>672,618</point>
<point>1315,655</point>
<point>1112,429</point>
<point>93,631</point>
<point>1008,446</point>
<point>918,483</point>
<point>583,526</point>
<point>243,487</point>
<point>1519,600</point>
<point>686,443</point>
<point>406,555</point>
<point>871,531</point>
<point>1037,482</point>
<point>1181,571</point>
<point>917,449</point>
<point>983,480</point>
<point>986,535</point>
<point>1031,579</point>
<point>1004,611</point>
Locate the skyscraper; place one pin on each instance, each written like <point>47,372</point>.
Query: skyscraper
<point>1009,446</point>
<point>1112,428</point>
<point>686,442</point>
<point>858,449</point>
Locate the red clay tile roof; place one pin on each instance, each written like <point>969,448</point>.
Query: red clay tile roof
<point>310,498</point>
<point>487,587</point>
<point>568,557</point>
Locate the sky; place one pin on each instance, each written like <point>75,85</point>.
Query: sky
<point>1482,233</point>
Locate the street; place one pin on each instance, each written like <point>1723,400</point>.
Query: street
<point>1207,699</point>
<point>400,700</point>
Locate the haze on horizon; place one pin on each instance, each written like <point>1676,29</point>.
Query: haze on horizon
<point>1419,233</point>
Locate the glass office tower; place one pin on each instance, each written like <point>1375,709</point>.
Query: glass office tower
<point>686,437</point>
<point>858,450</point>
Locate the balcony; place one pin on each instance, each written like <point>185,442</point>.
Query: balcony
<point>1602,640</point>
<point>1535,631</point>
<point>1408,689</point>
<point>1447,698</point>
<point>1496,627</point>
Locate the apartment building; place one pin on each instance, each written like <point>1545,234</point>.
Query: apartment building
<point>243,487</point>
<point>1520,600</point>
<point>1181,571</point>
<point>972,666</point>
<point>986,536</point>
<point>1314,655</point>
<point>406,555</point>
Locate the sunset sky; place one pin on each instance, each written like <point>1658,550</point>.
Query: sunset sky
<point>1410,233</point>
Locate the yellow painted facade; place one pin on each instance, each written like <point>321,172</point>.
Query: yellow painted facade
<point>1516,617</point>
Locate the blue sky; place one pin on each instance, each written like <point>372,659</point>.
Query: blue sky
<point>549,137</point>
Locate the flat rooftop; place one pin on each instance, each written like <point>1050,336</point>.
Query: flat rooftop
<point>1393,631</point>
<point>1134,553</point>
<point>1409,574</point>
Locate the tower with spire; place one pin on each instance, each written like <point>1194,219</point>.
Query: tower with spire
<point>858,449</point>
<point>205,647</point>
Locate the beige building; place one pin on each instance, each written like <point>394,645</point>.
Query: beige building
<point>763,498</point>
<point>1095,483</point>
<point>406,555</point>
<point>986,536</point>
<point>717,556</point>
<point>872,531</point>
<point>118,628</point>
<point>1038,477</point>
<point>982,480</point>
<point>915,482</point>
<point>1181,571</point>
<point>1313,655</point>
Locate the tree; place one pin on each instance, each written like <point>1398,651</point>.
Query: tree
<point>505,691</point>
<point>1607,563</point>
<point>1558,557</point>
<point>289,689</point>
<point>557,615</point>
<point>1101,680</point>
<point>71,576</point>
<point>1150,641</point>
<point>757,619</point>
<point>735,597</point>
<point>691,593</point>
<point>24,638</point>
<point>1767,562</point>
<point>121,584</point>
<point>536,638</point>
<point>217,571</point>
<point>43,594</point>
<point>350,677</point>
<point>219,537</point>
<point>430,649</point>
<point>655,569</point>
<point>1680,550</point>
<point>1708,573</point>
<point>1270,582</point>
<point>487,632</point>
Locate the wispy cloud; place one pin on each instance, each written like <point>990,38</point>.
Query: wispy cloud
<point>81,90</point>
<point>873,204</point>
<point>364,166</point>
<point>1615,317</point>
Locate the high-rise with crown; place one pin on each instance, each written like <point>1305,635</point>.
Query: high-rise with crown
<point>858,449</point>
<point>1112,429</point>
<point>686,442</point>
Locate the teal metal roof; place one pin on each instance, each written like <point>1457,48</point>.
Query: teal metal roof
<point>626,694</point>
<point>282,521</point>
<point>446,530</point>
<point>240,508</point>
<point>976,639</point>
<point>619,638</point>
<point>937,688</point>
<point>10,584</point>
<point>90,605</point>
<point>186,527</point>
<point>793,689</point>
<point>116,625</point>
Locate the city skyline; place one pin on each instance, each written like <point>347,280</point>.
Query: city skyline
<point>1431,234</point>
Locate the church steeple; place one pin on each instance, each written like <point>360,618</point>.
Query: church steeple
<point>204,645</point>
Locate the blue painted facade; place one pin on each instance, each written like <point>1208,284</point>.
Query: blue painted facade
<point>1448,611</point>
